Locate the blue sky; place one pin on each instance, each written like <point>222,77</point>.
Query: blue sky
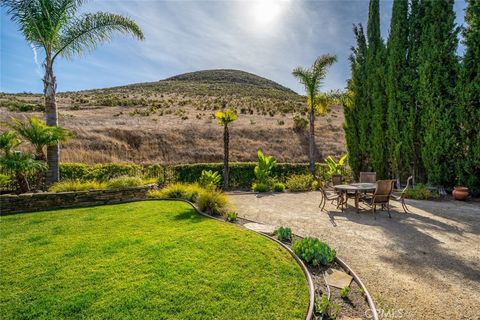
<point>265,37</point>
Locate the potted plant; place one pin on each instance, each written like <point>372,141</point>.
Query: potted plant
<point>460,193</point>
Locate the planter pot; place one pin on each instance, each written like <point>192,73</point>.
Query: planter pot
<point>460,193</point>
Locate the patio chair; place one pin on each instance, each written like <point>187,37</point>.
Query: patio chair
<point>401,196</point>
<point>381,196</point>
<point>368,177</point>
<point>329,196</point>
<point>336,179</point>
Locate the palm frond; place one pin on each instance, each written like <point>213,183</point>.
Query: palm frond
<point>40,21</point>
<point>85,33</point>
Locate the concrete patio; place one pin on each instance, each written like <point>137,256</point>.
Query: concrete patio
<point>420,265</point>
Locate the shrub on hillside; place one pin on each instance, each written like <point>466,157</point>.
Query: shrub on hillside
<point>314,252</point>
<point>299,183</point>
<point>299,123</point>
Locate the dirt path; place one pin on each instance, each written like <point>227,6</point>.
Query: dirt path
<point>422,265</point>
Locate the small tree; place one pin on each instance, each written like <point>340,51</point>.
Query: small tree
<point>19,165</point>
<point>39,135</point>
<point>311,79</point>
<point>8,141</point>
<point>224,119</point>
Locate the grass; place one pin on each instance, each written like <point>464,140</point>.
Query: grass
<point>143,260</point>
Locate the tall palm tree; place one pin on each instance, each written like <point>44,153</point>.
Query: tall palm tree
<point>224,119</point>
<point>53,26</point>
<point>311,78</point>
<point>39,135</point>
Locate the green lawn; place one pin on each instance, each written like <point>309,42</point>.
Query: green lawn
<point>143,260</point>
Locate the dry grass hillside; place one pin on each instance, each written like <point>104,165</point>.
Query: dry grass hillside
<point>171,121</point>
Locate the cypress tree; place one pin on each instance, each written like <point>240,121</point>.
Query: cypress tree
<point>376,103</point>
<point>438,67</point>
<point>413,125</point>
<point>468,117</point>
<point>398,106</point>
<point>355,101</point>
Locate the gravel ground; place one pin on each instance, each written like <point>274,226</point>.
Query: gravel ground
<point>421,265</point>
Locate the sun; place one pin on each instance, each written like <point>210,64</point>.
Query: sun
<point>264,13</point>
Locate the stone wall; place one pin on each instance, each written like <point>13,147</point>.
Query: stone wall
<point>28,202</point>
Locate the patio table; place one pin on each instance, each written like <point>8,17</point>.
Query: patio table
<point>357,188</point>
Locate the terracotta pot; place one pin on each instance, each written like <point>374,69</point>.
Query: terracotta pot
<point>460,193</point>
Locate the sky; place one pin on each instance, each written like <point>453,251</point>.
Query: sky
<point>265,37</point>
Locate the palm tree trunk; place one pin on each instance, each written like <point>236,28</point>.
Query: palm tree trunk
<point>226,139</point>
<point>53,152</point>
<point>22,182</point>
<point>311,145</point>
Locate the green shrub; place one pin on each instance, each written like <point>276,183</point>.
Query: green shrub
<point>231,216</point>
<point>77,185</point>
<point>5,181</point>
<point>125,183</point>
<point>99,172</point>
<point>263,169</point>
<point>314,252</point>
<point>299,183</point>
<point>185,191</point>
<point>283,233</point>
<point>213,202</point>
<point>209,179</point>
<point>260,187</point>
<point>299,123</point>
<point>315,185</point>
<point>321,307</point>
<point>278,187</point>
<point>345,292</point>
<point>420,192</point>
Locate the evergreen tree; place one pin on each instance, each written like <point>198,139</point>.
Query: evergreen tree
<point>398,95</point>
<point>468,169</point>
<point>438,67</point>
<point>354,101</point>
<point>376,103</point>
<point>413,127</point>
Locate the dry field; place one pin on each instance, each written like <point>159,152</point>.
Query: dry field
<point>145,123</point>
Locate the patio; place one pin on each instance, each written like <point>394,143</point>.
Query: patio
<point>421,265</point>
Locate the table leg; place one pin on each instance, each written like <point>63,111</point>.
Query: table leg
<point>356,201</point>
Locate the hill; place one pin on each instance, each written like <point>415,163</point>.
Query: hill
<point>172,120</point>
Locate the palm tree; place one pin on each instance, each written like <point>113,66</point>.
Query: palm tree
<point>311,79</point>
<point>53,26</point>
<point>21,164</point>
<point>8,141</point>
<point>39,135</point>
<point>224,119</point>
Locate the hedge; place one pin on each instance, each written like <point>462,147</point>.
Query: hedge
<point>241,173</point>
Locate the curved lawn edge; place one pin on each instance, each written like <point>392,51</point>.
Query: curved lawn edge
<point>370,301</point>
<point>308,276</point>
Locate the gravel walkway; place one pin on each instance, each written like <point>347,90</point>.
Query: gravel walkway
<point>421,265</point>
